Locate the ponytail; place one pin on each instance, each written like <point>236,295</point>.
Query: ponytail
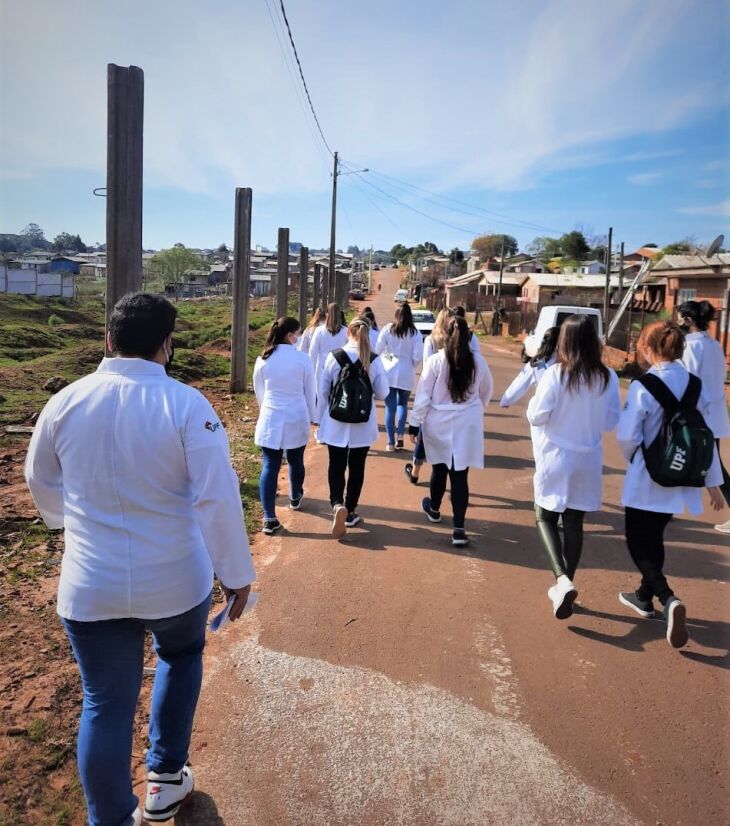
<point>359,329</point>
<point>277,334</point>
<point>317,318</point>
<point>462,367</point>
<point>334,319</point>
<point>700,313</point>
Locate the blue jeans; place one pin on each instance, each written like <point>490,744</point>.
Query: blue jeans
<point>110,655</point>
<point>271,461</point>
<point>397,399</point>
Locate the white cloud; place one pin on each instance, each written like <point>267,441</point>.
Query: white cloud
<point>651,156</point>
<point>645,178</point>
<point>722,209</point>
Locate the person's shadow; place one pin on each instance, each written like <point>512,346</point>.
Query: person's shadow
<point>201,811</point>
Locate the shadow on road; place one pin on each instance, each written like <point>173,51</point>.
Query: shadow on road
<point>201,811</point>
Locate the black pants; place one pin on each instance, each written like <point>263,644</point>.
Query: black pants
<point>725,486</point>
<point>645,538</point>
<point>563,554</point>
<point>352,460</point>
<point>459,490</point>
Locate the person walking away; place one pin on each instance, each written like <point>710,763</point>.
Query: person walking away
<point>704,358</point>
<point>455,388</point>
<point>135,467</point>
<point>283,381</point>
<point>349,437</point>
<point>473,340</point>
<point>317,320</point>
<point>369,316</point>
<point>534,370</point>
<point>331,335</point>
<point>401,345</point>
<point>432,344</point>
<point>576,402</point>
<point>650,505</point>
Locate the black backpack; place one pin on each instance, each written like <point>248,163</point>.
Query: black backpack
<point>682,452</point>
<point>351,397</point>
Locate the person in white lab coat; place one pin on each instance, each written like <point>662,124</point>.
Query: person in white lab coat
<point>369,316</point>
<point>283,381</point>
<point>431,344</point>
<point>317,320</point>
<point>455,388</point>
<point>135,467</point>
<point>401,346</point>
<point>649,506</point>
<point>704,358</point>
<point>331,335</point>
<point>348,443</point>
<point>576,402</point>
<point>534,370</point>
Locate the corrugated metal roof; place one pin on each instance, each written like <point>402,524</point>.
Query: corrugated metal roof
<point>692,262</point>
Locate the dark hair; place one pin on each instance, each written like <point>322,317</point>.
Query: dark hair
<point>579,353</point>
<point>661,339</point>
<point>139,324</point>
<point>700,313</point>
<point>369,316</point>
<point>459,312</point>
<point>335,318</point>
<point>403,324</point>
<point>460,358</point>
<point>317,318</point>
<point>278,332</point>
<point>547,346</point>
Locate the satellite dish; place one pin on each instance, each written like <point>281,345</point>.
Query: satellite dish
<point>715,246</point>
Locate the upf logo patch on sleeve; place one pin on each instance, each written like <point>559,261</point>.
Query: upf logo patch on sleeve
<point>212,426</point>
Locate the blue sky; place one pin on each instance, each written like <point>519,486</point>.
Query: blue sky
<point>537,117</point>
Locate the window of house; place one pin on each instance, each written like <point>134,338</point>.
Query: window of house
<point>686,294</point>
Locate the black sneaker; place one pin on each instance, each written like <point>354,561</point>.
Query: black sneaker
<point>399,444</point>
<point>433,516</point>
<point>352,520</point>
<point>295,504</point>
<point>675,615</point>
<point>409,473</point>
<point>271,526</point>
<point>458,537</point>
<point>644,608</point>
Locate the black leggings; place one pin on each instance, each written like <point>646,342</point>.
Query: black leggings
<point>725,486</point>
<point>563,554</point>
<point>645,538</point>
<point>459,490</point>
<point>351,459</point>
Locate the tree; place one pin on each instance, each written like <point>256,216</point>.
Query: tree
<point>490,246</point>
<point>456,256</point>
<point>574,245</point>
<point>35,235</point>
<point>353,249</point>
<point>175,263</point>
<point>431,248</point>
<point>65,241</point>
<point>223,252</point>
<point>544,247</point>
<point>677,248</point>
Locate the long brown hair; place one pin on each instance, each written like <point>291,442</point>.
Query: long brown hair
<point>334,319</point>
<point>318,316</point>
<point>369,316</point>
<point>462,367</point>
<point>359,329</point>
<point>579,353</point>
<point>439,332</point>
<point>278,332</point>
<point>403,324</point>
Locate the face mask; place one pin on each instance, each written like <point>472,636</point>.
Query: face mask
<point>170,357</point>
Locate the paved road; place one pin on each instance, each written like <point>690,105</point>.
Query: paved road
<point>393,679</point>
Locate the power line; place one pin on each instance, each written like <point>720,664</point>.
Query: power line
<point>376,206</point>
<point>301,74</point>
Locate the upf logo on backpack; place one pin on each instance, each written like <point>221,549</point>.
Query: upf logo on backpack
<point>683,450</point>
<point>351,397</point>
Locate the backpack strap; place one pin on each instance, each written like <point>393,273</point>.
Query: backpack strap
<point>692,394</point>
<point>341,357</point>
<point>660,392</point>
<point>373,356</point>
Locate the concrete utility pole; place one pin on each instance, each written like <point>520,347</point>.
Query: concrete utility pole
<point>621,275</point>
<point>125,118</point>
<point>607,293</point>
<point>501,272</point>
<point>282,272</point>
<point>241,289</point>
<point>331,275</point>
<point>370,270</point>
<point>303,279</point>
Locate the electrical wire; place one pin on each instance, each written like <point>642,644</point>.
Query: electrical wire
<point>376,206</point>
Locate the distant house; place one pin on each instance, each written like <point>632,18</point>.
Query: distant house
<point>478,289</point>
<point>65,263</point>
<point>591,268</point>
<point>36,280</point>
<point>524,264</point>
<point>564,288</point>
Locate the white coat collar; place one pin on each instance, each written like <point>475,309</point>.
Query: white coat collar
<point>128,367</point>
<point>697,336</point>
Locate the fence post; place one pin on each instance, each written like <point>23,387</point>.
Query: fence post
<point>282,272</point>
<point>303,279</point>
<point>125,119</point>
<point>241,289</point>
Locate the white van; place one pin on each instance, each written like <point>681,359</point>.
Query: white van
<point>401,296</point>
<point>554,316</point>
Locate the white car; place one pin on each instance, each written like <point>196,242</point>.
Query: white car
<point>424,321</point>
<point>401,296</point>
<point>554,316</point>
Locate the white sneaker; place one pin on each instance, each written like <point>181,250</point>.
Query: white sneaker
<point>563,595</point>
<point>390,448</point>
<point>166,793</point>
<point>339,517</point>
<point>137,818</point>
<point>724,527</point>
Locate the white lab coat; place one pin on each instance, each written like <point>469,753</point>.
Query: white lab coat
<point>306,338</point>
<point>429,348</point>
<point>286,393</point>
<point>373,338</point>
<point>344,434</point>
<point>135,466</point>
<point>639,422</point>
<point>569,449</point>
<point>452,432</point>
<point>322,344</point>
<point>704,358</point>
<point>527,377</point>
<point>409,352</point>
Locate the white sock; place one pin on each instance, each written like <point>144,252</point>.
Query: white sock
<point>564,581</point>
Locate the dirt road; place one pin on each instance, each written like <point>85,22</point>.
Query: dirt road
<point>393,679</point>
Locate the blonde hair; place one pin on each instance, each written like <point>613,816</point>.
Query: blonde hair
<point>359,329</point>
<point>440,331</point>
<point>318,317</point>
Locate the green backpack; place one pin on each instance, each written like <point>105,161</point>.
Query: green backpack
<point>682,452</point>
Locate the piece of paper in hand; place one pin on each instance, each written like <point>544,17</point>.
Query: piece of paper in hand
<point>221,619</point>
<point>389,362</point>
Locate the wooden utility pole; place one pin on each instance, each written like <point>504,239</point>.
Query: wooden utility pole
<point>303,279</point>
<point>125,118</point>
<point>241,289</point>
<point>282,272</point>
<point>331,275</point>
<point>315,287</point>
<point>621,275</point>
<point>607,293</point>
